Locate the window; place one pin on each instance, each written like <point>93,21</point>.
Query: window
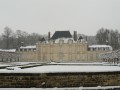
<point>29,49</point>
<point>93,49</point>
<point>61,42</point>
<point>21,50</point>
<point>51,42</point>
<point>25,50</point>
<point>107,48</point>
<point>70,41</point>
<point>104,49</point>
<point>88,49</point>
<point>34,49</point>
<point>99,48</point>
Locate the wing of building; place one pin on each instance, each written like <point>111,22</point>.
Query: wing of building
<point>9,55</point>
<point>62,47</point>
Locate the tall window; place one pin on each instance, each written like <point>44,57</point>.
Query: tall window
<point>51,42</point>
<point>51,53</point>
<point>70,53</point>
<point>70,41</point>
<point>78,53</point>
<point>61,42</point>
<point>25,50</point>
<point>60,53</point>
<point>34,49</point>
<point>30,49</point>
<point>21,49</point>
<point>44,54</point>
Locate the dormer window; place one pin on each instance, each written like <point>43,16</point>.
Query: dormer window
<point>80,38</point>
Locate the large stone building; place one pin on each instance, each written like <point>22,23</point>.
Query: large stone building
<point>62,47</point>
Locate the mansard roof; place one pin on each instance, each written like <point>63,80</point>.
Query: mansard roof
<point>61,34</point>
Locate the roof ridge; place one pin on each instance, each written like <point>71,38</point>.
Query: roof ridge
<point>59,34</point>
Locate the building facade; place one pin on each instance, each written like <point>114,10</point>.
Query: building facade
<point>9,55</point>
<point>63,47</point>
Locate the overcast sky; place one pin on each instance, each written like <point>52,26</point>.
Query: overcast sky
<point>42,16</point>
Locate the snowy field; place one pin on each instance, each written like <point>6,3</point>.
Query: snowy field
<point>26,67</point>
<point>61,69</point>
<point>16,67</point>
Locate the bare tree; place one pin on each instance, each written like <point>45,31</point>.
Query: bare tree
<point>110,37</point>
<point>102,36</point>
<point>19,38</point>
<point>6,36</point>
<point>34,38</point>
<point>10,39</point>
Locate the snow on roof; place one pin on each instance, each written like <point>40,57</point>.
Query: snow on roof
<point>8,50</point>
<point>68,88</point>
<point>63,69</point>
<point>100,46</point>
<point>34,46</point>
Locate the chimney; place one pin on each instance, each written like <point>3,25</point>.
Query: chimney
<point>75,36</point>
<point>48,36</point>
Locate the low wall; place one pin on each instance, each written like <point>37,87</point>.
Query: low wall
<point>27,80</point>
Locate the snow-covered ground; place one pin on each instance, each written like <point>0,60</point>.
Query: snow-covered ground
<point>75,88</point>
<point>59,68</point>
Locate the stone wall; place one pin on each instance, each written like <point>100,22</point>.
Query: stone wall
<point>29,56</point>
<point>27,80</point>
<point>6,56</point>
<point>62,53</point>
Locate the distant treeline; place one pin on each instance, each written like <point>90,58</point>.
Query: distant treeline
<point>10,39</point>
<point>109,37</point>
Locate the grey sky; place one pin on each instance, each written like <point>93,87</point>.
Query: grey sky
<point>41,16</point>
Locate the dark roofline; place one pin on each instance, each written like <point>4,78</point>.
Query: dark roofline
<point>61,34</point>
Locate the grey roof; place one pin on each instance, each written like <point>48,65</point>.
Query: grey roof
<point>61,34</point>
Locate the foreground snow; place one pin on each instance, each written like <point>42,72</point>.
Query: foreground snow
<point>59,68</point>
<point>75,88</point>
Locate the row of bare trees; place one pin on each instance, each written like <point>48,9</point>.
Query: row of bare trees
<point>10,39</point>
<point>105,37</point>
<point>109,37</point>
